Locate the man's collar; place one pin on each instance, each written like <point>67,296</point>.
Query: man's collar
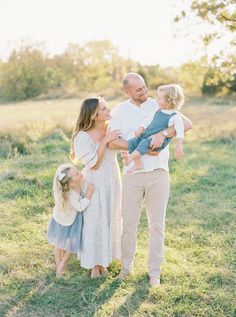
<point>133,103</point>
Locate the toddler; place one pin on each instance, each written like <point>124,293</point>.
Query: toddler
<point>170,98</point>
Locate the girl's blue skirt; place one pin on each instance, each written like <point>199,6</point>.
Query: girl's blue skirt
<point>68,238</point>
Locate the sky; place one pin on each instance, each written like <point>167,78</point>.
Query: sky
<point>142,30</point>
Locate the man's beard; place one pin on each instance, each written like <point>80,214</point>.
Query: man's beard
<point>142,99</point>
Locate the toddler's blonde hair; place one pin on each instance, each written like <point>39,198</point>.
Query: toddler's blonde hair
<point>61,186</point>
<point>174,95</point>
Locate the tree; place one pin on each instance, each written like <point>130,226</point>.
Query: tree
<point>94,66</point>
<point>24,75</point>
<point>221,12</point>
<point>220,70</point>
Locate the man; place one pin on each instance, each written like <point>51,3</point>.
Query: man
<point>151,182</point>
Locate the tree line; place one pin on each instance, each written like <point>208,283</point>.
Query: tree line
<point>97,66</point>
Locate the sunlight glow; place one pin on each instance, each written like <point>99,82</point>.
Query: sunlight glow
<point>141,30</point>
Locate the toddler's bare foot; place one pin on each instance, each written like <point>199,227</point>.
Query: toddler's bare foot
<point>137,166</point>
<point>126,158</point>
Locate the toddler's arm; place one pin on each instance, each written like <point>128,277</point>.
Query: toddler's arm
<point>177,121</point>
<point>179,148</point>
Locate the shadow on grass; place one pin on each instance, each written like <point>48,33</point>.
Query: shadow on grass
<point>20,293</point>
<point>135,299</point>
<point>74,295</point>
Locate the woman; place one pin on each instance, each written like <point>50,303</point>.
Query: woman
<point>102,220</point>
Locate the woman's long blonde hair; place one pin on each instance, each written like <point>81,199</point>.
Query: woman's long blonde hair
<point>61,186</point>
<point>86,119</point>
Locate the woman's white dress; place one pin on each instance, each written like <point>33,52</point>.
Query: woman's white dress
<point>101,238</point>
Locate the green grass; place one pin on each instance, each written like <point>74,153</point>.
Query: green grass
<point>198,276</point>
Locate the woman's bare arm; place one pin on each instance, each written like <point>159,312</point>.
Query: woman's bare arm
<point>110,135</point>
<point>118,144</point>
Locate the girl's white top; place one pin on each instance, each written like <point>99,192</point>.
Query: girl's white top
<point>75,204</point>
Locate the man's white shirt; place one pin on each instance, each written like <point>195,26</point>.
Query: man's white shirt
<point>128,117</point>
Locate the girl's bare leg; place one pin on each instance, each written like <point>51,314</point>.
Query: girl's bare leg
<point>62,266</point>
<point>58,256</point>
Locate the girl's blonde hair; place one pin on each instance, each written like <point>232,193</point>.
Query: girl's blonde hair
<point>174,95</point>
<point>86,119</point>
<point>61,185</point>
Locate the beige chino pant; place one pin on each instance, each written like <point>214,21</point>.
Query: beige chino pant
<point>154,187</point>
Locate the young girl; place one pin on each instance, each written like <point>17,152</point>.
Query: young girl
<point>170,98</point>
<point>65,228</point>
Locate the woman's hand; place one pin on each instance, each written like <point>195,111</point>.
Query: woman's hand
<point>111,135</point>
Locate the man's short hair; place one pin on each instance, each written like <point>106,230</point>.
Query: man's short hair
<point>128,76</point>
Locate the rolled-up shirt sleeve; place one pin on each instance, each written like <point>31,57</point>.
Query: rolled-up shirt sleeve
<point>85,149</point>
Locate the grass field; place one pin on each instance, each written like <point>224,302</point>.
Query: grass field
<point>198,277</point>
